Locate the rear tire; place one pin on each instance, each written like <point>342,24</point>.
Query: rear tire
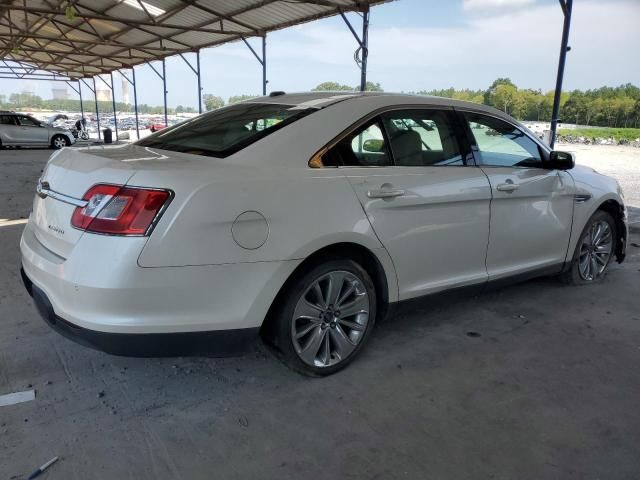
<point>594,251</point>
<point>59,141</point>
<point>325,318</point>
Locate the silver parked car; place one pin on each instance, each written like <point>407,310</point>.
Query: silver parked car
<point>19,130</point>
<point>305,218</point>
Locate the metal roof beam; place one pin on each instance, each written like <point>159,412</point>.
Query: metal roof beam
<point>125,21</point>
<point>126,46</point>
<point>52,79</point>
<point>86,53</point>
<point>220,16</point>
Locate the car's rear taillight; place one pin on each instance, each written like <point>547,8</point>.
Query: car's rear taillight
<point>119,210</point>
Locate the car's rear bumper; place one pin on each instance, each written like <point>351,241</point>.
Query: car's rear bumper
<point>100,287</point>
<point>209,343</point>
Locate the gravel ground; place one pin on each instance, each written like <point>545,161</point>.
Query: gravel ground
<point>534,381</point>
<point>619,162</point>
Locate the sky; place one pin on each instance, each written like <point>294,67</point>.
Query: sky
<point>417,45</point>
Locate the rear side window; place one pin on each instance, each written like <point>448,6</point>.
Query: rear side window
<point>225,131</point>
<point>364,147</point>
<point>28,121</point>
<point>7,120</point>
<point>422,138</point>
<point>501,144</point>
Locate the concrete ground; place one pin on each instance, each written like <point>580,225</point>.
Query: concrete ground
<point>535,381</point>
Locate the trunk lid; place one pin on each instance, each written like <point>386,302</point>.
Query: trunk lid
<point>71,172</point>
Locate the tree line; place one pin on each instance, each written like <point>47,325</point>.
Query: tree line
<point>615,107</point>
<point>603,107</point>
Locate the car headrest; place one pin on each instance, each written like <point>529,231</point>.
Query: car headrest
<point>407,148</point>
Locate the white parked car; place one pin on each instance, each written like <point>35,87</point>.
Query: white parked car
<point>305,217</point>
<point>17,130</point>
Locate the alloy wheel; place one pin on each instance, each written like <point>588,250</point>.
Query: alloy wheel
<point>595,250</point>
<point>330,319</point>
<point>59,142</point>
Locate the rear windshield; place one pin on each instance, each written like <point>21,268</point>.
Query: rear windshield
<point>225,131</point>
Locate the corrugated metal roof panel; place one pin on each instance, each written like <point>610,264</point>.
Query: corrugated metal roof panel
<point>104,35</point>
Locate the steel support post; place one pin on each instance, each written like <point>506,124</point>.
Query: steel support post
<point>163,77</point>
<point>113,102</point>
<point>262,61</point>
<point>95,95</point>
<point>80,95</point>
<point>362,53</point>
<point>199,82</point>
<point>164,88</point>
<point>135,100</point>
<point>264,64</point>
<point>132,82</point>
<point>365,50</point>
<point>195,70</point>
<point>567,6</point>
<point>79,92</point>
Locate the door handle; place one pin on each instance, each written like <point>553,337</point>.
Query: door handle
<point>385,193</point>
<point>507,187</point>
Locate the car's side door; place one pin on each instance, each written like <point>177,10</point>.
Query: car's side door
<point>426,204</point>
<point>32,132</point>
<point>9,129</point>
<point>532,206</point>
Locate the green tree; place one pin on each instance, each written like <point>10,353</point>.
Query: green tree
<point>331,87</point>
<point>504,97</point>
<point>211,102</point>
<point>636,114</point>
<point>490,92</point>
<point>371,87</point>
<point>240,98</point>
<point>625,106</point>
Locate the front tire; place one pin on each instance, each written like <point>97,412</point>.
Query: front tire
<point>59,141</point>
<point>326,318</point>
<point>594,250</point>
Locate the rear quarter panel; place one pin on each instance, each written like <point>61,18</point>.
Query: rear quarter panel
<point>304,211</point>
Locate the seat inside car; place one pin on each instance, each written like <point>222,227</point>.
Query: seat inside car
<point>407,148</point>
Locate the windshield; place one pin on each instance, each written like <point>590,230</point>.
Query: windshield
<point>225,131</point>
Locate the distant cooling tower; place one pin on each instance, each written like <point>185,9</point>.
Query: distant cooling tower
<point>103,92</point>
<point>125,91</point>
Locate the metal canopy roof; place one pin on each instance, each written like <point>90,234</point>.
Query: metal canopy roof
<point>83,38</point>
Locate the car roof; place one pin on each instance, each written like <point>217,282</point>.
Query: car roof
<point>325,99</point>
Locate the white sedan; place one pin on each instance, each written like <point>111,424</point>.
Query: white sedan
<point>305,217</point>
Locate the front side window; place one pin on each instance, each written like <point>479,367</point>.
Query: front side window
<point>365,147</point>
<point>225,131</point>
<point>422,138</point>
<point>501,144</point>
<point>28,121</point>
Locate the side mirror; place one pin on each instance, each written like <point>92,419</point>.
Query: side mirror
<point>561,160</point>
<point>372,145</point>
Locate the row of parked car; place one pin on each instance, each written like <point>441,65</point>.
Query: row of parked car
<point>59,130</point>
